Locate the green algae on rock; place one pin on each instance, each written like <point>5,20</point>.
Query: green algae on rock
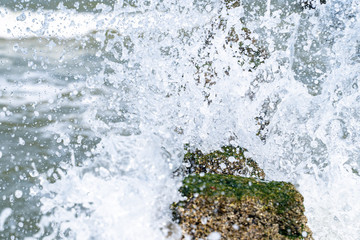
<point>241,208</point>
<point>229,160</point>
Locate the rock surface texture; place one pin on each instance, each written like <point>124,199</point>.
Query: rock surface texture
<point>229,160</point>
<point>236,207</point>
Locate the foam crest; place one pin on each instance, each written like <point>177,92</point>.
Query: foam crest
<point>68,24</point>
<point>112,203</point>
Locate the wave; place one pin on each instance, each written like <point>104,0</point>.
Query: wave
<point>147,100</point>
<point>67,24</point>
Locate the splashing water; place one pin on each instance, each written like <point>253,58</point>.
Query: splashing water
<point>99,99</point>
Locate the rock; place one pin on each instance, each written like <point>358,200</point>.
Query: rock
<point>229,160</point>
<point>236,39</point>
<point>232,3</point>
<point>240,208</point>
<point>310,4</point>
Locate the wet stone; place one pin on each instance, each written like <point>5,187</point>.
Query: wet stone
<point>229,160</point>
<point>311,4</point>
<point>237,40</point>
<point>240,208</point>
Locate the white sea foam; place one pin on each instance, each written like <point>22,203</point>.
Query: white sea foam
<point>67,24</point>
<point>307,90</point>
<point>5,213</point>
<point>112,204</point>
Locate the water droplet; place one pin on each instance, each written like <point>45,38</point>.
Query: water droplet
<point>236,227</point>
<point>15,47</point>
<point>314,144</point>
<point>18,193</point>
<point>222,166</point>
<point>3,216</point>
<point>21,17</point>
<point>21,141</point>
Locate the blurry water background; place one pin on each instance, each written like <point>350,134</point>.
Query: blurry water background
<point>98,98</point>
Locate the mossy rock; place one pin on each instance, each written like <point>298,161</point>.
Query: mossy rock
<point>240,208</point>
<point>229,160</point>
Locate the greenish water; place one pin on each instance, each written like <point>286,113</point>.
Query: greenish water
<point>41,126</point>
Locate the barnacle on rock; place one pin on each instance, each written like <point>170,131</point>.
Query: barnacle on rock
<point>229,160</point>
<point>240,208</point>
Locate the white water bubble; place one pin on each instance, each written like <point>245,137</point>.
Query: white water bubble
<point>21,17</point>
<point>222,166</point>
<point>231,159</point>
<point>5,213</point>
<point>214,236</point>
<point>314,144</point>
<point>236,227</point>
<point>21,141</point>
<point>104,172</point>
<point>18,193</point>
<point>15,47</point>
<point>1,154</point>
<point>79,139</point>
<point>66,141</point>
<point>208,8</point>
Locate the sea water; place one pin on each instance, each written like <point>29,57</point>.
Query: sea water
<point>99,97</point>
